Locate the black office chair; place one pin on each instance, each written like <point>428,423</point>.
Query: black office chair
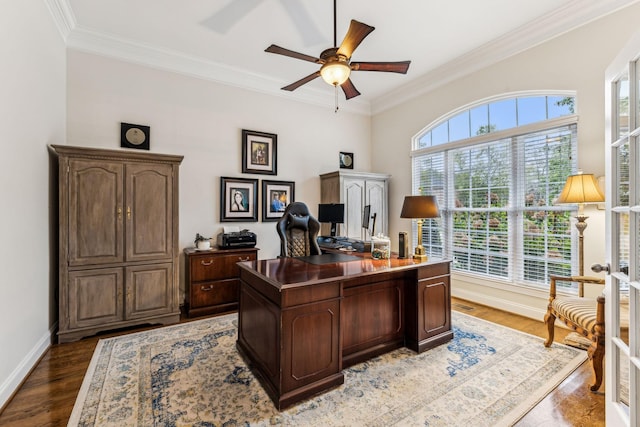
<point>298,231</point>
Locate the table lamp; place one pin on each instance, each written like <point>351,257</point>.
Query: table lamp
<point>581,189</point>
<point>420,207</point>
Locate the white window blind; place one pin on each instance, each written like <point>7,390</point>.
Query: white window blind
<point>546,158</point>
<point>496,198</point>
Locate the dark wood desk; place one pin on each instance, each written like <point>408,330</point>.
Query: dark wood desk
<point>301,323</point>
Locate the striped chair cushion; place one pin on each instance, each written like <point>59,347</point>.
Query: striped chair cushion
<point>581,311</point>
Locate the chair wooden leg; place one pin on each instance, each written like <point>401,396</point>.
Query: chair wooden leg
<point>596,355</point>
<point>550,321</point>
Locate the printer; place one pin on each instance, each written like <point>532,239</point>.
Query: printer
<point>236,239</point>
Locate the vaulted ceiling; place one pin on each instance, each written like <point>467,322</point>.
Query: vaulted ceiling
<point>224,40</point>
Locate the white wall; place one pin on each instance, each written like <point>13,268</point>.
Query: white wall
<point>32,115</point>
<point>203,120</point>
<point>574,61</point>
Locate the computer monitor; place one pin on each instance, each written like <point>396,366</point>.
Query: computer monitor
<point>366,219</point>
<point>332,213</point>
<point>366,215</point>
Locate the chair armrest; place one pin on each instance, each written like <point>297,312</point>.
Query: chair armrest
<point>587,279</point>
<point>578,279</point>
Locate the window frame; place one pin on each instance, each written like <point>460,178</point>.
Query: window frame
<point>515,275</point>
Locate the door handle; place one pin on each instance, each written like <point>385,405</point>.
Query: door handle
<point>597,268</point>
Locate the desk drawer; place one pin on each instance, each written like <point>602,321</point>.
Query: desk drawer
<point>214,293</point>
<point>213,267</point>
<point>433,270</point>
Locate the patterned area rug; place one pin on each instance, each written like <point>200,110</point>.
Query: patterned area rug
<point>191,375</point>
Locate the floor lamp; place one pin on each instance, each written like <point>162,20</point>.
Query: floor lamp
<point>420,207</point>
<point>581,189</point>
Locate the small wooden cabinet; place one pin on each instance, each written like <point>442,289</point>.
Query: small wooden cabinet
<point>118,239</point>
<point>212,278</point>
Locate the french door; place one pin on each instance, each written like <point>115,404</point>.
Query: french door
<point>622,290</point>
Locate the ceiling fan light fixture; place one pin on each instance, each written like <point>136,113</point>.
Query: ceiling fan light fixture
<point>335,72</point>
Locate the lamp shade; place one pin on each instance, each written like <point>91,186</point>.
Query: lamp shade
<point>420,207</point>
<point>335,72</point>
<point>581,188</point>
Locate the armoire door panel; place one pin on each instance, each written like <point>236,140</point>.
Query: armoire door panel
<point>354,205</point>
<point>95,297</point>
<point>376,196</point>
<point>148,211</point>
<point>95,212</point>
<point>149,290</point>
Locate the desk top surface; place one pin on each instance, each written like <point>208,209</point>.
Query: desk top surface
<point>292,272</point>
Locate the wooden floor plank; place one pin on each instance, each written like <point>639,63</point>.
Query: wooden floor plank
<point>47,396</point>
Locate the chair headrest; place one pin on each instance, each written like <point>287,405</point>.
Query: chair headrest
<point>297,209</point>
<point>295,221</point>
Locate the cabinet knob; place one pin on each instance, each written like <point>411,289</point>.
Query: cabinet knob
<point>244,259</point>
<point>206,288</point>
<point>206,263</point>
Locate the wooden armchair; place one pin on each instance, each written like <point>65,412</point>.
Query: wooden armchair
<point>583,315</point>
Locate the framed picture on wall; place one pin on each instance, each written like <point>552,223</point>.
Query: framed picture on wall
<point>259,152</point>
<point>238,199</point>
<point>134,136</point>
<point>276,196</point>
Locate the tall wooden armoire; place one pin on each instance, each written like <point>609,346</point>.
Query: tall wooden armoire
<point>118,239</point>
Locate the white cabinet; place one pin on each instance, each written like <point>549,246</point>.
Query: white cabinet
<point>356,190</point>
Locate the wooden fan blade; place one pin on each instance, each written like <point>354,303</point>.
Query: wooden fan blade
<point>349,89</point>
<point>290,53</point>
<point>295,85</point>
<point>356,33</point>
<point>391,67</point>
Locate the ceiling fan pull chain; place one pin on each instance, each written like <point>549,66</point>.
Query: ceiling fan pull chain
<point>336,88</point>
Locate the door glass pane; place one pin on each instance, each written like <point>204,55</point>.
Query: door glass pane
<point>637,93</point>
<point>623,106</point>
<point>623,175</point>
<point>623,241</point>
<point>623,331</point>
<point>636,167</point>
<point>635,295</point>
<point>623,375</point>
<point>636,276</point>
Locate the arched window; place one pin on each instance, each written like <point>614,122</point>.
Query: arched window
<point>497,167</point>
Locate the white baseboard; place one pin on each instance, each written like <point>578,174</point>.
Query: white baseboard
<point>501,303</point>
<point>19,374</point>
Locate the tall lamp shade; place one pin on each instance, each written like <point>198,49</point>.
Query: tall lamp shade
<point>420,208</point>
<point>581,189</point>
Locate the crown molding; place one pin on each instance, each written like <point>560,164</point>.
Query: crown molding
<point>88,41</point>
<point>562,20</point>
<point>62,15</point>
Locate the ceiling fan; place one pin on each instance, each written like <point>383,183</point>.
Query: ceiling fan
<point>336,61</point>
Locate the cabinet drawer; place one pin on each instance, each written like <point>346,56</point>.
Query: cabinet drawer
<point>214,293</point>
<point>433,270</point>
<point>214,267</point>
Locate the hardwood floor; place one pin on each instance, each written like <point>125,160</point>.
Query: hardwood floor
<point>571,403</point>
<point>47,396</point>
